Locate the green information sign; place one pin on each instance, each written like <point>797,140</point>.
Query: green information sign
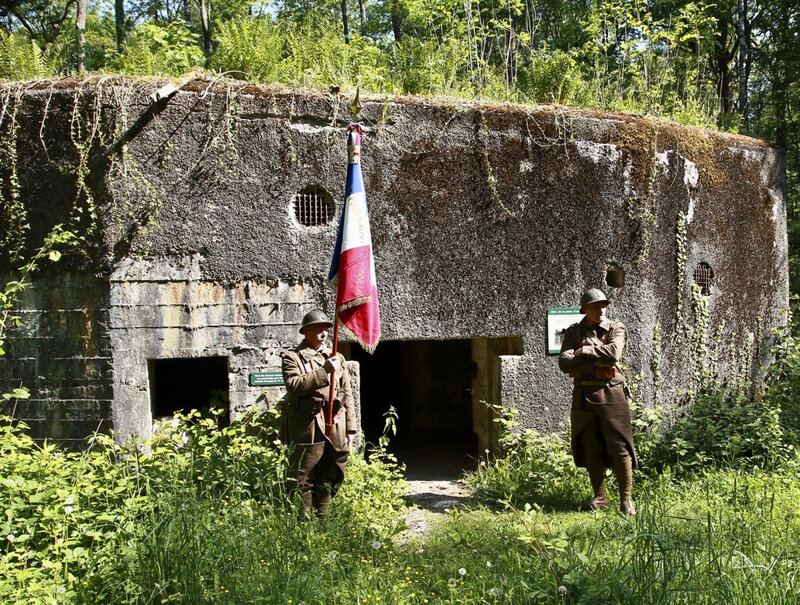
<point>266,379</point>
<point>559,320</point>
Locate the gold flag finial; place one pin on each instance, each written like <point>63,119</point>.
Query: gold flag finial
<point>355,107</point>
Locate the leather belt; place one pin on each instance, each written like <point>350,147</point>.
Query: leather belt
<point>591,383</point>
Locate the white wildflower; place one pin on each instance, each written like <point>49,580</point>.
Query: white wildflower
<point>69,509</point>
<point>462,571</point>
<point>10,537</point>
<point>61,590</point>
<point>375,544</point>
<point>496,591</point>
<point>488,563</point>
<point>363,462</point>
<point>452,581</point>
<point>562,590</point>
<point>69,500</point>
<point>332,555</point>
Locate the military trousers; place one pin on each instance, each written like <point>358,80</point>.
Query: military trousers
<point>600,437</point>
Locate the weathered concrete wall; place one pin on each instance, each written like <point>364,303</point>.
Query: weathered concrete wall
<point>61,353</point>
<point>483,217</point>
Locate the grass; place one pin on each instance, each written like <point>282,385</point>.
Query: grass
<point>728,537</point>
<point>180,525</point>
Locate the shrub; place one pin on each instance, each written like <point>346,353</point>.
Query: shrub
<point>724,428</point>
<point>254,47</point>
<point>63,514</point>
<point>311,53</point>
<point>532,468</point>
<point>552,77</point>
<point>783,389</point>
<point>427,67</point>
<point>152,49</point>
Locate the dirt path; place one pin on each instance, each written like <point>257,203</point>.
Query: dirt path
<point>428,499</point>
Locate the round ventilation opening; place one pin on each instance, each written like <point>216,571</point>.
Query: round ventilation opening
<point>704,278</point>
<point>313,206</point>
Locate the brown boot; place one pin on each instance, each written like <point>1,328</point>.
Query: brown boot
<point>305,505</point>
<point>597,477</point>
<point>321,503</point>
<point>624,473</point>
<point>598,502</point>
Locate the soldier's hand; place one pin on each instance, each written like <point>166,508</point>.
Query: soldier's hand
<point>332,364</point>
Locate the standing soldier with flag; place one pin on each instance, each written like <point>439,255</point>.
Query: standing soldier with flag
<point>318,459</point>
<point>319,416</point>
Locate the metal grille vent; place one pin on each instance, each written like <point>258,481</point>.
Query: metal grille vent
<point>313,206</point>
<point>704,277</point>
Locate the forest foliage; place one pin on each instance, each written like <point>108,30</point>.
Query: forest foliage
<point>731,64</point>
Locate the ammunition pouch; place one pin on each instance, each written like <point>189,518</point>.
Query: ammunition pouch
<point>313,403</point>
<point>310,404</point>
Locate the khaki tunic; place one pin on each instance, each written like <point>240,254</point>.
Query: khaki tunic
<point>594,398</point>
<point>320,458</point>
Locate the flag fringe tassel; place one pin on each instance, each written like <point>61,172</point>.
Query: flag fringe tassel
<point>368,348</point>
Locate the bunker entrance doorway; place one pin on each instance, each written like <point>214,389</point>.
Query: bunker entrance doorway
<point>183,384</point>
<point>429,383</point>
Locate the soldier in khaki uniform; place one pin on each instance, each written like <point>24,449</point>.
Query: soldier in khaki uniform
<point>601,423</point>
<point>318,460</point>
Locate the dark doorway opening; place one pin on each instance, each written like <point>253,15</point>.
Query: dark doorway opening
<point>429,383</point>
<point>180,385</point>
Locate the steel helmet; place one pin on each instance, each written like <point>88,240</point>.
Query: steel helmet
<point>593,295</point>
<point>315,316</point>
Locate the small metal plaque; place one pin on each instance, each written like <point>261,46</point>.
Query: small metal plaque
<point>559,320</point>
<point>266,379</point>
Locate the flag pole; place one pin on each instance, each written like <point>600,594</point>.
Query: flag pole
<point>329,421</point>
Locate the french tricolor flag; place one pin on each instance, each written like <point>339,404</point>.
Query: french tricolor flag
<point>353,266</point>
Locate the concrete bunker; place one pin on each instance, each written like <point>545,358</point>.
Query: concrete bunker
<point>216,208</point>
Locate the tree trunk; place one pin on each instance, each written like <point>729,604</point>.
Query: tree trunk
<point>187,13</point>
<point>362,10</point>
<point>119,22</point>
<point>80,25</point>
<point>723,54</point>
<point>345,26</point>
<point>744,62</point>
<point>397,22</point>
<point>205,25</point>
<point>511,56</point>
<point>780,77</point>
